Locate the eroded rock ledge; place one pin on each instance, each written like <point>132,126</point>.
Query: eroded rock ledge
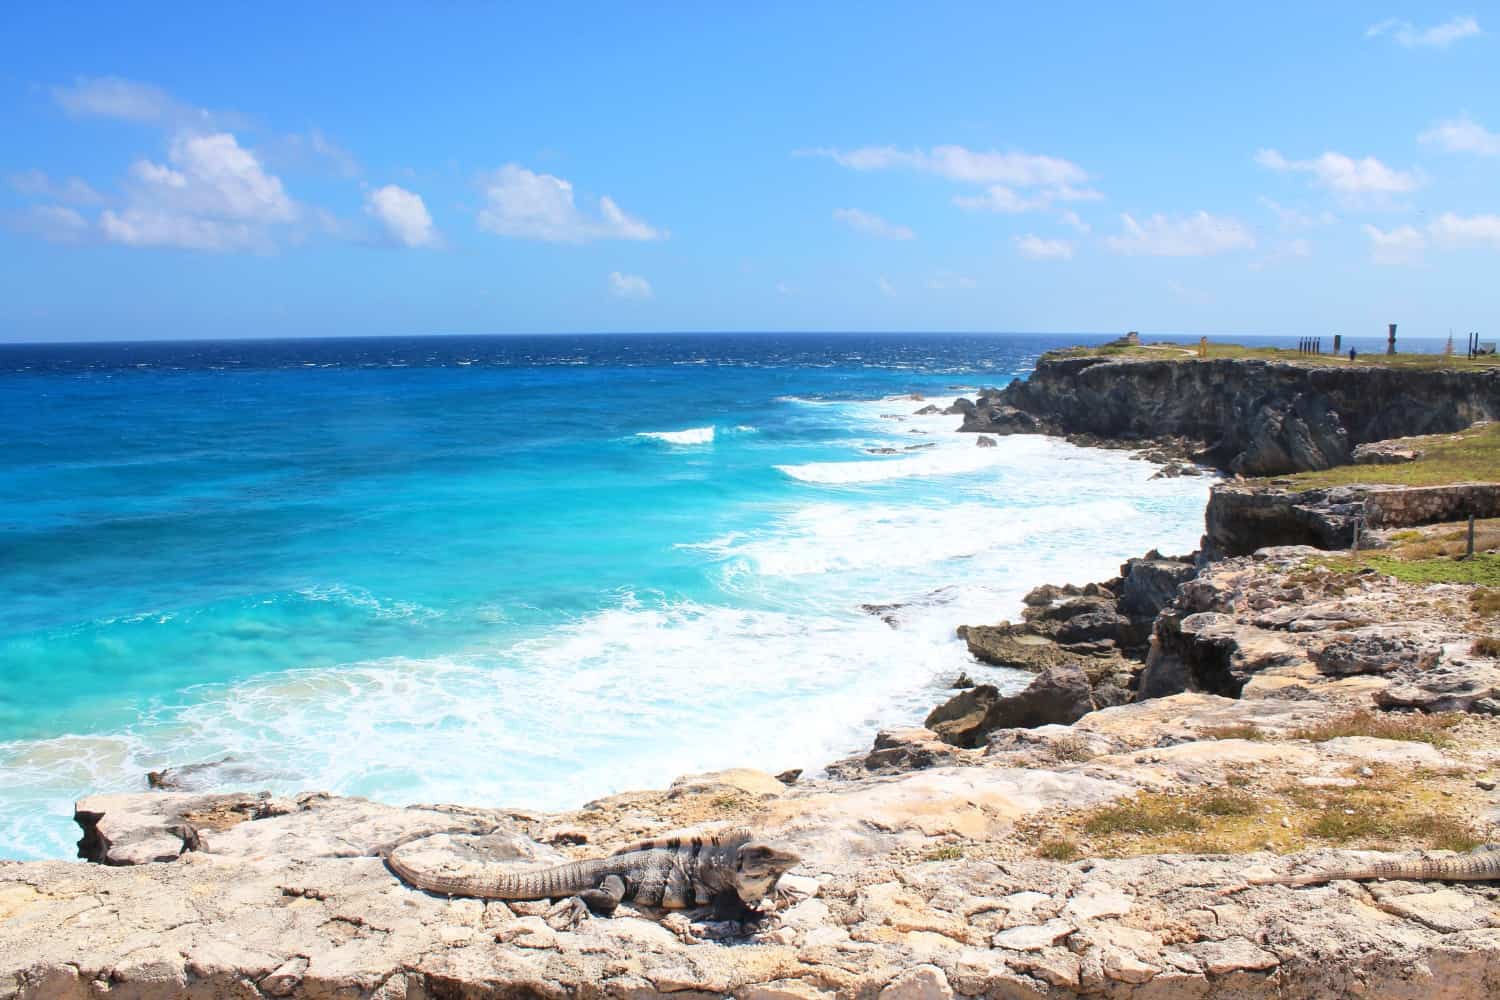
<point>914,885</point>
<point>1249,416</point>
<point>1242,518</point>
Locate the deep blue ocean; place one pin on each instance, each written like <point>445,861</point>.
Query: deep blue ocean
<point>521,571</point>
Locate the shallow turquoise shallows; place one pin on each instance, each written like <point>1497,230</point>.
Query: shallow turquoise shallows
<point>511,571</point>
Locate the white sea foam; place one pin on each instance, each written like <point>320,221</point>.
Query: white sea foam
<point>643,691</point>
<point>693,435</point>
<point>784,669</point>
<point>940,463</point>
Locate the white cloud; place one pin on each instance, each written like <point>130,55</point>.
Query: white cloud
<point>999,198</point>
<point>1345,175</point>
<point>214,196</point>
<point>36,184</point>
<point>139,227</point>
<point>960,164</point>
<point>1293,219</point>
<point>1452,230</point>
<point>215,175</point>
<point>534,206</point>
<point>1070,218</point>
<point>1402,245</point>
<point>1199,235</point>
<point>114,97</point>
<point>947,280</point>
<point>53,223</point>
<point>1036,248</point>
<point>886,288</point>
<point>1052,178</point>
<point>629,286</point>
<point>1462,135</point>
<point>1439,36</point>
<point>872,225</point>
<point>133,101</point>
<point>403,214</point>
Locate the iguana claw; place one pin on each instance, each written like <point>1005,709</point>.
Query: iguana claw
<point>567,914</point>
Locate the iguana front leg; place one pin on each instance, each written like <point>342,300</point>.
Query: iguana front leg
<point>569,913</point>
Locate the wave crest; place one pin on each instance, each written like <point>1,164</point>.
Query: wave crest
<point>693,435</point>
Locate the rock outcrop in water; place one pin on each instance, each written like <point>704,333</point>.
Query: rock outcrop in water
<point>1252,417</point>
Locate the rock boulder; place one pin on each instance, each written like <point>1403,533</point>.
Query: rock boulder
<point>1057,695</point>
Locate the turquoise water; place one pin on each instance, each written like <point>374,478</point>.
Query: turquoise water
<point>510,571</point>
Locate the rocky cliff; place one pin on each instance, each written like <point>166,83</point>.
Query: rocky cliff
<point>1252,417</point>
<point>1242,518</point>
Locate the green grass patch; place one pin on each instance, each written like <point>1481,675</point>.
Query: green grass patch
<point>1482,569</point>
<point>1471,455</point>
<point>1383,808</point>
<point>1349,817</point>
<point>1216,351</point>
<point>1145,814</point>
<point>1227,804</point>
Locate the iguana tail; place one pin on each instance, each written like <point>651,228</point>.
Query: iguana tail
<point>1478,867</point>
<point>494,882</point>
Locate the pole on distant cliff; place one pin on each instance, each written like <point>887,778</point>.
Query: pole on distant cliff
<point>1338,343</point>
<point>1390,340</point>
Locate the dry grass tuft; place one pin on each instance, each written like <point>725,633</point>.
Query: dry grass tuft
<point>1147,813</point>
<point>1386,808</point>
<point>1071,747</point>
<point>948,852</point>
<point>1244,731</point>
<point>1485,601</point>
<point>1486,645</point>
<point>1412,726</point>
<point>1059,850</point>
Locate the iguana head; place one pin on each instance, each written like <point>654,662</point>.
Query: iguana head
<point>758,865</point>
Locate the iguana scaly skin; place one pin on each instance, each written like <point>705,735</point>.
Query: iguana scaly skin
<point>732,869</point>
<point>1480,866</point>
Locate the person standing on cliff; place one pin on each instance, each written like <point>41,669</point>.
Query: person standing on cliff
<point>1351,354</point>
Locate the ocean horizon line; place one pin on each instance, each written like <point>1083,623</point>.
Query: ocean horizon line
<point>997,334</point>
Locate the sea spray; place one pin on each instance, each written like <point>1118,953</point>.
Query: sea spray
<point>464,576</point>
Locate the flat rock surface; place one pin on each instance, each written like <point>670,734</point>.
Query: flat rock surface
<point>208,926</point>
<point>910,886</point>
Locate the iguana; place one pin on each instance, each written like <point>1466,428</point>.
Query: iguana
<point>733,869</point>
<point>1481,865</point>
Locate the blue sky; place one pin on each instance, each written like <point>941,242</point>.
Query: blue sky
<point>465,168</point>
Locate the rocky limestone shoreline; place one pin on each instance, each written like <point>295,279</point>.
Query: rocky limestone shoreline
<point>930,867</point>
<point>1193,722</point>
